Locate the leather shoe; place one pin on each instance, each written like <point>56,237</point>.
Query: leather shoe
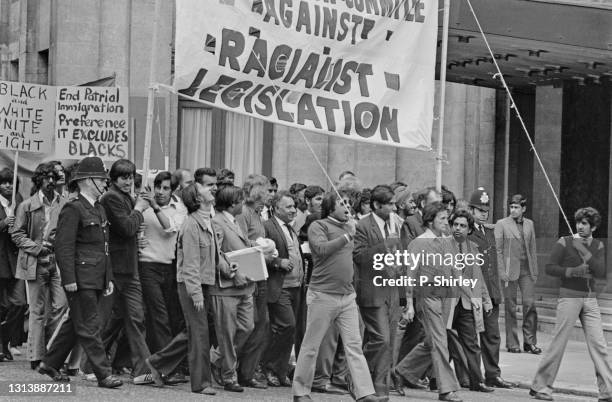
<point>449,397</point>
<point>285,381</point>
<point>233,387</point>
<point>176,378</point>
<point>605,399</point>
<point>540,395</point>
<point>110,382</point>
<point>499,382</point>
<point>272,379</point>
<point>514,350</point>
<point>53,373</point>
<point>208,391</point>
<point>253,383</point>
<point>302,398</point>
<point>407,383</point>
<point>34,364</point>
<point>481,387</point>
<point>397,382</point>
<point>330,389</point>
<point>7,355</point>
<point>532,349</point>
<point>373,398</point>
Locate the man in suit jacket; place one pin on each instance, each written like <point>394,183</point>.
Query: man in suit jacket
<point>125,217</point>
<point>379,305</point>
<point>484,238</point>
<point>12,290</point>
<point>284,288</point>
<point>518,268</point>
<point>233,303</point>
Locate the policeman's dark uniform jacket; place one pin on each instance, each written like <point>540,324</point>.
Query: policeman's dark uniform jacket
<point>83,258</point>
<point>490,339</point>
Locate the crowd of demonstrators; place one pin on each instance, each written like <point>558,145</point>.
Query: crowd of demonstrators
<point>121,277</point>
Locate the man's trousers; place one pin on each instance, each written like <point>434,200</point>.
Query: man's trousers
<point>13,306</point>
<point>156,282</point>
<point>587,310</point>
<point>282,315</point>
<point>255,345</point>
<point>47,302</point>
<point>83,326</point>
<point>233,323</point>
<point>530,316</point>
<point>324,311</point>
<point>193,342</point>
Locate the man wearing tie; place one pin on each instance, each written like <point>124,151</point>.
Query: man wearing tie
<point>286,277</point>
<point>517,265</point>
<point>379,305</point>
<point>484,237</point>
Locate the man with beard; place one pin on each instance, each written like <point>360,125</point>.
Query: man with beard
<point>484,237</point>
<point>34,234</point>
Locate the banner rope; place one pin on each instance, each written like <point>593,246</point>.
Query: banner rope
<point>500,75</point>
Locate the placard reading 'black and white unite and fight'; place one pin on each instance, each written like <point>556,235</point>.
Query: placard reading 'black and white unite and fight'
<point>358,69</point>
<point>91,121</point>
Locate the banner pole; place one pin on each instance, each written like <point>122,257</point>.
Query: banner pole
<point>15,167</point>
<point>443,56</point>
<point>151,97</point>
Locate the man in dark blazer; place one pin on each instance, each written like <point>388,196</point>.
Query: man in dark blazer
<point>483,236</point>
<point>12,290</point>
<point>286,275</point>
<point>125,218</point>
<point>517,265</point>
<point>379,305</point>
<point>81,250</point>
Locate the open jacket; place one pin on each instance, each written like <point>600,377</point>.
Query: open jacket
<point>508,243</point>
<point>28,233</point>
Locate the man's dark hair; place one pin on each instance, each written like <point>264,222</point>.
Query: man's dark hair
<point>161,177</point>
<point>71,186</point>
<point>329,204</point>
<point>430,211</point>
<point>346,173</point>
<point>518,199</point>
<point>205,171</point>
<point>6,176</point>
<point>225,177</point>
<point>382,194</point>
<point>278,197</point>
<point>312,191</point>
<point>421,196</point>
<point>448,196</point>
<point>191,198</point>
<point>273,181</point>
<point>462,213</point>
<point>40,173</point>
<point>122,168</point>
<point>296,188</point>
<point>365,197</point>
<point>590,214</point>
<point>227,196</point>
<point>137,180</point>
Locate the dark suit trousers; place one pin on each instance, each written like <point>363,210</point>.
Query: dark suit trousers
<point>193,341</point>
<point>379,323</point>
<point>282,315</point>
<point>13,306</point>
<point>489,343</point>
<point>83,326</point>
<point>458,357</point>
<point>413,335</point>
<point>156,284</point>
<point>128,300</point>
<point>300,320</point>
<point>256,344</point>
<point>465,325</point>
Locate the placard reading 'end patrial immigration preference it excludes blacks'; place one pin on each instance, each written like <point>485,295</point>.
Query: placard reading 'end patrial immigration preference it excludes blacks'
<point>26,116</point>
<point>355,69</point>
<point>91,121</point>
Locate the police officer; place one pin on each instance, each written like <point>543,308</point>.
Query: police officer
<point>82,256</point>
<point>484,237</point>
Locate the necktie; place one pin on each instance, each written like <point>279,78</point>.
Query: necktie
<point>386,227</point>
<point>482,230</point>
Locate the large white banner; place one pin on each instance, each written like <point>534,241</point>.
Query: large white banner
<point>357,69</point>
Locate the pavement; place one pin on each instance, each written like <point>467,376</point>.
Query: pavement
<point>575,382</point>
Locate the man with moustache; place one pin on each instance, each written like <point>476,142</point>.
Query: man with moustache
<point>34,233</point>
<point>82,251</point>
<point>484,237</point>
<point>379,305</point>
<point>331,300</point>
<point>284,288</point>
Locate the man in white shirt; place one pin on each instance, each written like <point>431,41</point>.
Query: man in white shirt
<point>156,256</point>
